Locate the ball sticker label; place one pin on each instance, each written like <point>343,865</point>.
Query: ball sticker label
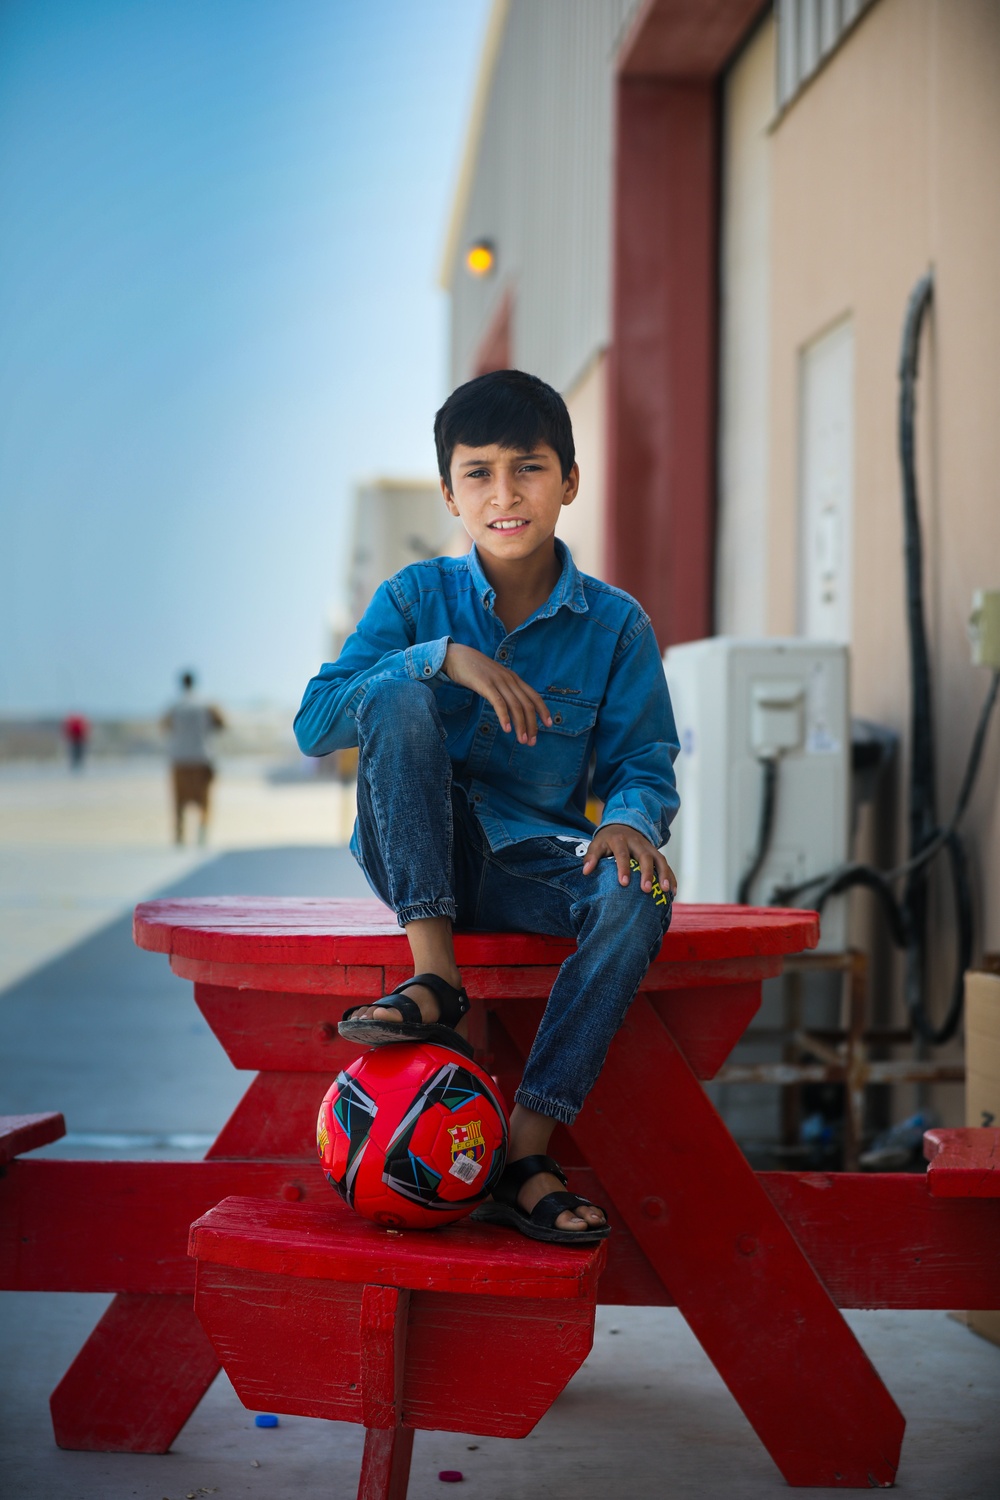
<point>465,1169</point>
<point>467,1150</point>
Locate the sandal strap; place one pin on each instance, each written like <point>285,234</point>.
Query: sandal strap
<point>517,1173</point>
<point>409,1010</point>
<point>454,1003</point>
<point>547,1210</point>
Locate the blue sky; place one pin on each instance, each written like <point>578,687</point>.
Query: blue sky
<point>220,235</point>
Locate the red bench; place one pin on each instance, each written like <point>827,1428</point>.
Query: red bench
<point>315,1312</point>
<point>757,1263</point>
<point>963,1163</point>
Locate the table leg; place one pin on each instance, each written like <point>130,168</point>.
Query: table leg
<point>136,1380</point>
<point>731,1264</point>
<point>385,1466</point>
<point>148,1363</point>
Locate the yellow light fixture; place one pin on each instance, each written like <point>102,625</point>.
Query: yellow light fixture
<point>480,258</point>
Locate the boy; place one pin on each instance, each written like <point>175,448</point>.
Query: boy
<point>472,776</point>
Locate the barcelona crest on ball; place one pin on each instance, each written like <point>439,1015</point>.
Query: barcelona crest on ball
<point>412,1135</point>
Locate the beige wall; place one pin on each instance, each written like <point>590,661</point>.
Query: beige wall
<point>887,164</point>
<point>581,525</point>
<point>741,574</point>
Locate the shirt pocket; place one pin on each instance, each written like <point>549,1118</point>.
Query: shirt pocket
<point>558,757</point>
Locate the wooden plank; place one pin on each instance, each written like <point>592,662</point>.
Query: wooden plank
<point>308,1241</point>
<point>733,1266</point>
<point>874,1240</point>
<point>384,1311</point>
<point>144,1210</point>
<point>281,1032</point>
<point>20,1133</point>
<point>136,1380</point>
<point>297,930</point>
<point>344,984</point>
<point>964,1163</point>
<point>351,985</point>
<point>883,1240</point>
<point>490,1365</point>
<point>295,1032</point>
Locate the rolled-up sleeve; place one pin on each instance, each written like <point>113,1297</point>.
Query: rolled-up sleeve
<point>382,646</point>
<point>636,742</point>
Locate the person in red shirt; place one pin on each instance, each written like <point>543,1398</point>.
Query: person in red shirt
<point>76,732</point>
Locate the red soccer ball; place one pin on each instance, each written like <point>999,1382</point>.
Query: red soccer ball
<point>412,1135</point>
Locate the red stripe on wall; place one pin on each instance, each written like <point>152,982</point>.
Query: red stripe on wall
<point>662,389</point>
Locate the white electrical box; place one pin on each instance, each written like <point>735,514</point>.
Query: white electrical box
<point>740,704</point>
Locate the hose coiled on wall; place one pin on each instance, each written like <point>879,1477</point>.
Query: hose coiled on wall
<point>907,915</point>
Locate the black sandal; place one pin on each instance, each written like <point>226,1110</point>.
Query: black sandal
<point>454,1005</point>
<point>540,1224</point>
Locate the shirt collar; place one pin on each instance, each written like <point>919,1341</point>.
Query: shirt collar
<point>568,590</point>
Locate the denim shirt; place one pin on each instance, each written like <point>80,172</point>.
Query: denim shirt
<point>589,651</point>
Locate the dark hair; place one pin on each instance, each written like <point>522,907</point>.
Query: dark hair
<point>506,407</point>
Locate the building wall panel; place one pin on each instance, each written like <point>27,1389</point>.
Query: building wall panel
<point>748,106</point>
<point>541,190</point>
<point>883,167</point>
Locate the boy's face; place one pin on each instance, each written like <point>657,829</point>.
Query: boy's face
<point>509,502</point>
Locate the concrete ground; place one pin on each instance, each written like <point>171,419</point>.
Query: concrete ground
<point>105,1033</point>
<point>78,850</point>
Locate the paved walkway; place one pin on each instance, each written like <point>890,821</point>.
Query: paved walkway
<point>109,1036</point>
<point>78,850</point>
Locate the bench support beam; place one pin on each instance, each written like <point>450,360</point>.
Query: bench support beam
<point>385,1466</point>
<point>739,1276</point>
<point>136,1380</point>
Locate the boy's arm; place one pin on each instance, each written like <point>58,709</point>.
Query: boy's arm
<point>384,645</point>
<point>636,741</point>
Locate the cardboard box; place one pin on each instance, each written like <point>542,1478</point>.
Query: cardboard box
<point>982,1080</point>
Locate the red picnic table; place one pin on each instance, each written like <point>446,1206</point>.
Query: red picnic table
<point>757,1263</point>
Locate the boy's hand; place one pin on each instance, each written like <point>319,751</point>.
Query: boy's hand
<point>513,701</point>
<point>628,847</point>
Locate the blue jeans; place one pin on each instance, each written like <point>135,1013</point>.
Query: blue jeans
<point>424,854</point>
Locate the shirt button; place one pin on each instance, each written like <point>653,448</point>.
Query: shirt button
<point>428,672</point>
<point>484,729</point>
<point>502,655</point>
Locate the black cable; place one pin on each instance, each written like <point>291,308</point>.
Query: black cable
<point>930,850</point>
<point>765,828</point>
<point>907,915</point>
<point>922,769</point>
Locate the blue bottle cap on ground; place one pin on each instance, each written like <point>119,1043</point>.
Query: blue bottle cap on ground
<point>265,1419</point>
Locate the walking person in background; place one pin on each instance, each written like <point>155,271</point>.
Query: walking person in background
<point>76,732</point>
<point>188,725</point>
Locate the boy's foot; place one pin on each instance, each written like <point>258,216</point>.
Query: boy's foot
<point>525,1199</point>
<point>429,1009</point>
<point>425,1000</point>
<point>584,1216</point>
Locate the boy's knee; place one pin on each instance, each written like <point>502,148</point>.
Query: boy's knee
<point>402,704</point>
<point>626,915</point>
